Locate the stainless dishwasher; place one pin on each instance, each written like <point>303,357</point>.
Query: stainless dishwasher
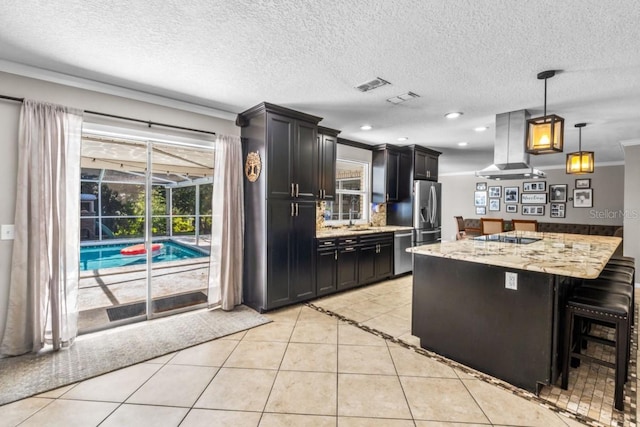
<point>402,260</point>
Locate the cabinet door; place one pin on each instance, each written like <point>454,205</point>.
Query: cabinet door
<point>393,169</point>
<point>419,165</point>
<point>280,246</point>
<point>366,264</point>
<point>303,258</point>
<point>347,267</point>
<point>280,140</point>
<point>384,260</point>
<point>306,160</point>
<point>432,167</point>
<point>327,271</point>
<point>328,147</point>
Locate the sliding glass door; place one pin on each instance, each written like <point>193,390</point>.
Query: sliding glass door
<point>145,230</point>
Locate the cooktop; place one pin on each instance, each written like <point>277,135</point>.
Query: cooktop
<point>507,239</point>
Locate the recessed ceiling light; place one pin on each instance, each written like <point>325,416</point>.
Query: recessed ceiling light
<point>365,127</point>
<point>480,128</point>
<point>402,138</point>
<point>453,115</point>
<point>463,144</point>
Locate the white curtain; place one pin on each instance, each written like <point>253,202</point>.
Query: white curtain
<point>44,271</point>
<point>227,230</point>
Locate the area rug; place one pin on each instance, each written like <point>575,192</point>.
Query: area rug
<point>102,352</point>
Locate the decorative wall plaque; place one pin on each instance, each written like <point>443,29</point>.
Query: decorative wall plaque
<point>252,166</point>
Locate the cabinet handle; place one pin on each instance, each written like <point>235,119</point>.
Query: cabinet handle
<point>349,249</point>
<point>387,197</point>
<point>336,255</point>
<point>292,190</point>
<point>331,243</point>
<point>292,211</point>
<point>297,210</point>
<point>297,188</point>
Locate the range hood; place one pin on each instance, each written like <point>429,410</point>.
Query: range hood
<point>510,160</point>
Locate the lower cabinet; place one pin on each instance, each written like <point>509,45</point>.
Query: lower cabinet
<point>346,262</point>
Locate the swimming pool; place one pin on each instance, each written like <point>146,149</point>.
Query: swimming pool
<point>94,257</point>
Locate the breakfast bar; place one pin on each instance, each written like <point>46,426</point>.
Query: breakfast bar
<point>494,303</point>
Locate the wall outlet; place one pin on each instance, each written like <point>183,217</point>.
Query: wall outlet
<point>7,232</point>
<point>511,280</point>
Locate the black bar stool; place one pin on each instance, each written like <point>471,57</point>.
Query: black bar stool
<point>600,306</point>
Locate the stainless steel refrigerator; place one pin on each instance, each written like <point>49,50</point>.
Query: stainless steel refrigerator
<point>426,212</point>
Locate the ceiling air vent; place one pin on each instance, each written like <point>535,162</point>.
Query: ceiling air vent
<point>402,98</point>
<point>372,84</point>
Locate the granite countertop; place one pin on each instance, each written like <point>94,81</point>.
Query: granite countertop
<point>574,255</point>
<point>357,230</point>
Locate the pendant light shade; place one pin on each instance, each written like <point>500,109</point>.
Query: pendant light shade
<point>545,135</point>
<point>580,162</point>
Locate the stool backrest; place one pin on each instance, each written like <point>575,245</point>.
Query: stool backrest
<point>491,225</point>
<point>525,224</point>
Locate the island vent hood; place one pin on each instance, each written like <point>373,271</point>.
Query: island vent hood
<point>510,161</point>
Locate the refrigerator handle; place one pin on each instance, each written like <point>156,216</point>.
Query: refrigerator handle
<point>434,205</point>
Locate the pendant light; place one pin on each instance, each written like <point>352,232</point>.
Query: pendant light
<point>580,161</point>
<point>545,135</point>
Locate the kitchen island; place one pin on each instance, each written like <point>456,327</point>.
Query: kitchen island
<point>495,305</point>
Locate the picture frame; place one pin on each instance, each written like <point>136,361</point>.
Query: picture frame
<point>533,198</point>
<point>583,198</point>
<point>480,198</point>
<point>558,193</point>
<point>481,210</point>
<point>494,204</point>
<point>511,194</point>
<point>537,210</point>
<point>583,183</point>
<point>481,186</point>
<point>534,186</point>
<point>557,210</point>
<point>511,208</point>
<point>495,191</point>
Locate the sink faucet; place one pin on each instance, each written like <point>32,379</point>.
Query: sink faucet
<point>351,208</point>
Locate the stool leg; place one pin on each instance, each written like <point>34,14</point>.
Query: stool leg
<point>621,362</point>
<point>568,344</point>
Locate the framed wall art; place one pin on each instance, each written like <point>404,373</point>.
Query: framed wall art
<point>533,210</point>
<point>558,193</point>
<point>494,204</point>
<point>511,208</point>
<point>495,191</point>
<point>480,198</point>
<point>533,198</point>
<point>583,198</point>
<point>481,186</point>
<point>511,194</point>
<point>583,183</point>
<point>557,210</point>
<point>481,210</point>
<point>534,186</point>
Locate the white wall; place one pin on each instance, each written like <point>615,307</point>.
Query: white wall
<point>23,87</point>
<point>632,201</point>
<point>607,183</point>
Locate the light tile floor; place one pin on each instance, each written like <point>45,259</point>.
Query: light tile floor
<point>304,369</point>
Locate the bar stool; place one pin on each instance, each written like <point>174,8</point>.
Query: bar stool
<point>600,306</point>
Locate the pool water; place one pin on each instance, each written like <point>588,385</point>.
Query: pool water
<point>96,257</point>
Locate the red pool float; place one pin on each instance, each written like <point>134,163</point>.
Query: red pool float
<point>140,250</point>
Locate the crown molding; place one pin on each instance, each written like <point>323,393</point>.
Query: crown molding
<point>108,89</point>
<point>630,142</point>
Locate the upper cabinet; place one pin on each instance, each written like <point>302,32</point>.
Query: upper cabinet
<point>425,163</point>
<point>327,147</point>
<point>389,174</point>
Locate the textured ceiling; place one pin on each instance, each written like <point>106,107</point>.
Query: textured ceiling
<point>478,57</point>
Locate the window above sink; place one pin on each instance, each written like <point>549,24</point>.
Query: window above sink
<point>352,194</point>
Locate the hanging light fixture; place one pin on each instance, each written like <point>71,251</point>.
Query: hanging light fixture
<point>580,161</point>
<point>545,134</point>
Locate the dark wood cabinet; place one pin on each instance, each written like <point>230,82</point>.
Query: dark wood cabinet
<point>425,163</point>
<point>292,143</point>
<point>375,258</point>
<point>280,209</point>
<point>326,267</point>
<point>390,174</point>
<point>347,266</point>
<point>327,148</point>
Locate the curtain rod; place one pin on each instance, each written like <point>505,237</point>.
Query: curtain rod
<point>113,116</point>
